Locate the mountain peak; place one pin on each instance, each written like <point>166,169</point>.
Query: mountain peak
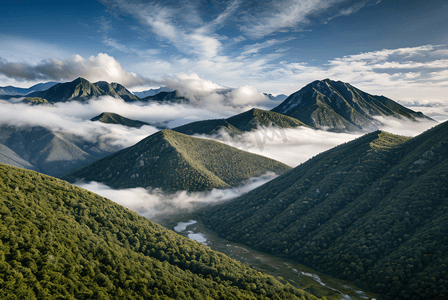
<point>113,118</point>
<point>338,106</point>
<point>174,161</point>
<point>81,89</point>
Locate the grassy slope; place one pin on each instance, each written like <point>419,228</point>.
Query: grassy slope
<point>373,211</point>
<point>60,241</point>
<point>174,161</point>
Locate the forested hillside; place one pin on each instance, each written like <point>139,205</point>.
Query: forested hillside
<point>373,211</point>
<point>174,161</point>
<point>246,121</point>
<point>58,241</point>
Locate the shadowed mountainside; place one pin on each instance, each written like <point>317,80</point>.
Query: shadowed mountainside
<point>81,89</point>
<point>52,153</point>
<point>340,107</point>
<point>373,211</point>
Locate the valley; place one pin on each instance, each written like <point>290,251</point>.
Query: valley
<point>351,210</point>
<point>296,274</point>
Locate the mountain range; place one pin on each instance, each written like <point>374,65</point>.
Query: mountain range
<point>152,92</point>
<point>244,122</point>
<point>52,153</point>
<point>14,91</point>
<point>61,241</point>
<point>173,161</point>
<point>81,89</point>
<point>166,98</point>
<point>340,107</point>
<point>373,211</point>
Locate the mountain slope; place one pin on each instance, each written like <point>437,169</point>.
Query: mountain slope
<point>246,121</point>
<point>9,157</point>
<point>340,107</point>
<point>81,89</point>
<point>152,92</point>
<point>14,91</point>
<point>373,211</point>
<point>166,97</point>
<point>174,161</point>
<point>52,153</point>
<point>58,241</point>
<point>113,118</point>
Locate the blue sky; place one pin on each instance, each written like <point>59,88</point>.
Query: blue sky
<point>394,48</point>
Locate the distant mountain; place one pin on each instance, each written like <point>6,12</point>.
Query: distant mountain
<point>15,91</point>
<point>340,107</point>
<point>59,241</point>
<point>247,121</point>
<point>166,98</point>
<point>173,161</point>
<point>9,157</point>
<point>373,211</point>
<point>152,92</point>
<point>279,97</point>
<point>81,89</point>
<point>113,118</point>
<point>52,153</point>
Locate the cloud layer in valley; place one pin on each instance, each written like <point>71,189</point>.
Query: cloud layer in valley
<point>154,203</point>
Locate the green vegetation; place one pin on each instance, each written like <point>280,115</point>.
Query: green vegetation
<point>340,107</point>
<point>58,241</point>
<point>240,123</point>
<point>81,89</point>
<point>35,100</point>
<point>373,211</point>
<point>113,118</point>
<point>174,161</point>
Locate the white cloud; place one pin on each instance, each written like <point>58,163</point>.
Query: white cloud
<point>290,146</point>
<point>95,68</point>
<point>74,117</point>
<point>205,93</point>
<point>405,127</point>
<point>154,203</point>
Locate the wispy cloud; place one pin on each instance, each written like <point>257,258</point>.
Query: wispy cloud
<point>413,73</point>
<point>276,16</point>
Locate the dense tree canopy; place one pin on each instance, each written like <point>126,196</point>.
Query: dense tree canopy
<point>58,241</point>
<point>373,211</point>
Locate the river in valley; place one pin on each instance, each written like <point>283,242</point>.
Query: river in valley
<point>298,275</point>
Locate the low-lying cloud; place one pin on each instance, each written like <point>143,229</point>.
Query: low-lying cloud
<point>290,146</point>
<point>205,93</point>
<point>74,117</point>
<point>155,203</point>
<point>405,127</point>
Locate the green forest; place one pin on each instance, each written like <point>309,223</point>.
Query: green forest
<point>373,211</point>
<point>58,241</point>
<point>174,161</point>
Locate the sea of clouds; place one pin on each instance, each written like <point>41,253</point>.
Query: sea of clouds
<point>207,101</point>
